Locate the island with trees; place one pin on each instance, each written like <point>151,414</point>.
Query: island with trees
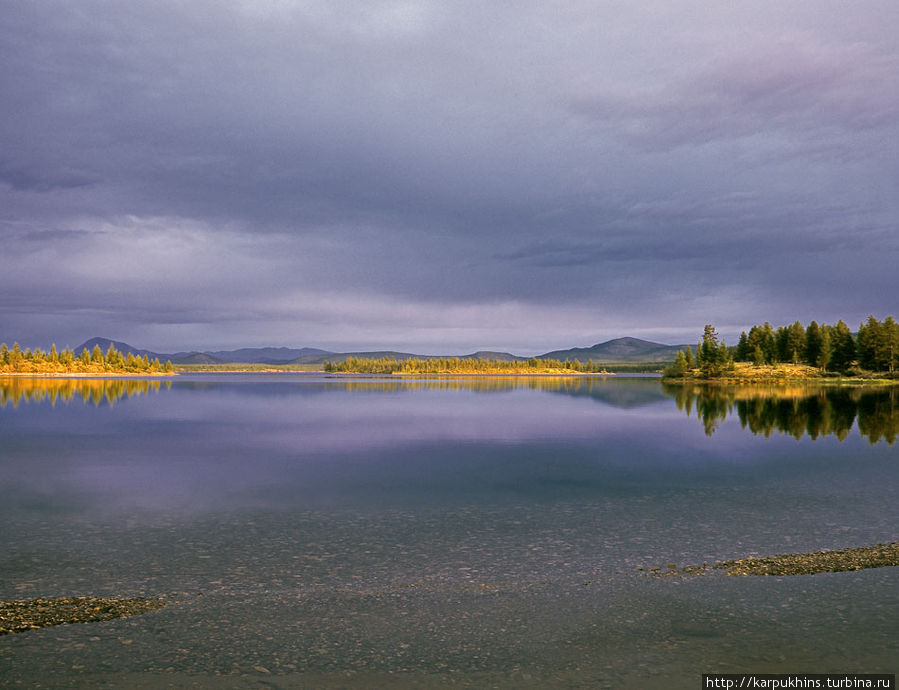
<point>447,366</point>
<point>17,362</point>
<point>794,352</point>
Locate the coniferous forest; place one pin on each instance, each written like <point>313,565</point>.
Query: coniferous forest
<point>826,348</point>
<point>457,365</point>
<point>14,360</point>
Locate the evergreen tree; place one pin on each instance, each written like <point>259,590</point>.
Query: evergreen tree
<point>688,358</point>
<point>97,355</point>
<point>743,351</point>
<point>782,340</point>
<point>867,345</point>
<point>679,368</point>
<point>714,357</point>
<point>843,345</point>
<point>812,349</point>
<point>758,356</point>
<point>16,358</point>
<point>795,342</point>
<point>825,352</point>
<point>768,344</point>
<point>890,330</point>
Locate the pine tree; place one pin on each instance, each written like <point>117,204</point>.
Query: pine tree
<point>743,351</point>
<point>891,343</point>
<point>795,342</point>
<point>812,349</point>
<point>843,347</point>
<point>867,344</point>
<point>825,353</point>
<point>714,357</point>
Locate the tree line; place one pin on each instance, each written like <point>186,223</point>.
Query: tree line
<point>829,348</point>
<point>14,360</point>
<point>457,365</point>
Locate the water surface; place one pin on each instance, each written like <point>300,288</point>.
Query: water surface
<point>323,532</point>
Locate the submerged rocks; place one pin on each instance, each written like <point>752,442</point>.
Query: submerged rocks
<point>839,560</point>
<point>19,616</point>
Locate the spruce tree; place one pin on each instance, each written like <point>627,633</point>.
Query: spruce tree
<point>825,352</point>
<point>743,351</point>
<point>688,358</point>
<point>843,345</point>
<point>812,349</point>
<point>891,343</point>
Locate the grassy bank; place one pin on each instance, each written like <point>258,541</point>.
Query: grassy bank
<point>744,372</point>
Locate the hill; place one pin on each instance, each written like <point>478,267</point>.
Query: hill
<point>621,350</point>
<point>267,355</point>
<point>124,348</point>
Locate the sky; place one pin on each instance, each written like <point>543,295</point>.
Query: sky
<point>443,177</point>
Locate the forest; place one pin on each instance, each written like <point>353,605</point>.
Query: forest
<point>826,348</point>
<point>456,365</point>
<point>17,361</point>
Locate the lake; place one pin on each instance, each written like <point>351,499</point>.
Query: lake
<point>469,532</point>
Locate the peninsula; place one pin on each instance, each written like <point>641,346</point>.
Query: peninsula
<point>17,362</point>
<point>793,353</point>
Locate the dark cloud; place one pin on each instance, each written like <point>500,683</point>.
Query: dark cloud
<point>815,99</point>
<point>400,173</point>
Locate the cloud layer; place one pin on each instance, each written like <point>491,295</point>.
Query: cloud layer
<point>417,174</point>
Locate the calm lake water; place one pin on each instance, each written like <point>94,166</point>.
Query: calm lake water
<point>323,532</point>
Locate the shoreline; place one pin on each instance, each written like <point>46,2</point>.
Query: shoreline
<point>849,559</point>
<point>85,375</point>
<point>17,616</point>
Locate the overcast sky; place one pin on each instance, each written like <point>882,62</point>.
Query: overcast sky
<point>444,176</point>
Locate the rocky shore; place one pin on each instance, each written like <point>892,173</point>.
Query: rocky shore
<point>20,616</point>
<point>839,560</point>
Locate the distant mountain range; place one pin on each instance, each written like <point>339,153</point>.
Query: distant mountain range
<point>619,350</point>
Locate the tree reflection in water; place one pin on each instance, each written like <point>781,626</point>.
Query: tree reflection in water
<point>816,411</point>
<point>17,390</point>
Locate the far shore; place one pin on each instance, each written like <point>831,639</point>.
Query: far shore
<point>86,375</point>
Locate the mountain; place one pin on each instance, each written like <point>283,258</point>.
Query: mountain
<point>341,356</point>
<point>124,348</point>
<point>254,355</point>
<point>196,358</point>
<point>499,356</point>
<point>620,350</point>
<point>267,355</point>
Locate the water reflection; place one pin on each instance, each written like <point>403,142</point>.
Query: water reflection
<point>798,410</point>
<point>623,391</point>
<point>15,390</point>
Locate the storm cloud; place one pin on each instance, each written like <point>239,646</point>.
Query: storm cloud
<point>443,176</point>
